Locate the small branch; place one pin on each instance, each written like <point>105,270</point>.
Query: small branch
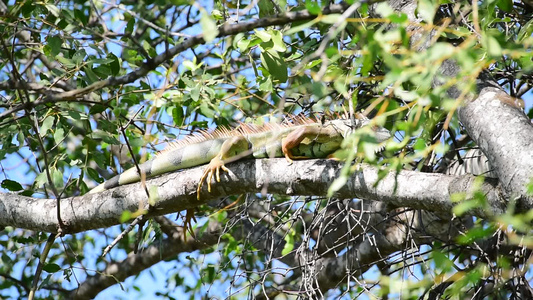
<point>42,260</point>
<point>19,283</point>
<point>130,227</point>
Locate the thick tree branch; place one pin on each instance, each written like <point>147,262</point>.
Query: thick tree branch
<point>177,191</point>
<point>505,134</point>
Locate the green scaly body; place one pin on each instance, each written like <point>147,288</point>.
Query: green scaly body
<point>303,138</point>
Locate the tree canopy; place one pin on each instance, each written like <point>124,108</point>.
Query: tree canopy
<point>89,89</point>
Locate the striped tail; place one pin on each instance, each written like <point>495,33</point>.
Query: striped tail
<point>167,161</point>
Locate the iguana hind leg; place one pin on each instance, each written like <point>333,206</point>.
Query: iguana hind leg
<point>294,139</point>
<point>231,150</point>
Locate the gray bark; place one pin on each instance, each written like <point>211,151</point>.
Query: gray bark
<point>505,134</point>
<point>177,191</point>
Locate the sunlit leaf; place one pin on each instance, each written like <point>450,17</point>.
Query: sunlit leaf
<point>209,27</point>
<point>273,62</point>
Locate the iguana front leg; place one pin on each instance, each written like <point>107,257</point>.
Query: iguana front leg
<point>231,150</point>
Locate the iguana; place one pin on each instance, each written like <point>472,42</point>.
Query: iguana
<point>301,137</point>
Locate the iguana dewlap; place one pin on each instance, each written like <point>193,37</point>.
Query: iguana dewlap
<point>303,138</point>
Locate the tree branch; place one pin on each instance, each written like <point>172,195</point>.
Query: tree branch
<point>505,134</point>
<point>177,191</point>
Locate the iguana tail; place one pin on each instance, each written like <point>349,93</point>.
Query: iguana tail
<point>175,158</point>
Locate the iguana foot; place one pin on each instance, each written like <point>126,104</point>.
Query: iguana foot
<point>213,168</point>
<point>333,157</point>
<point>187,224</point>
<point>289,157</point>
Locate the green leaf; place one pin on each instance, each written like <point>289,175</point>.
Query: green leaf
<point>96,109</point>
<point>493,46</point>
<point>442,261</point>
<point>207,110</point>
<point>54,10</point>
<point>59,135</point>
<point>211,272</point>
<point>57,177</point>
<point>266,8</point>
<point>47,124</point>
<point>313,7</point>
<point>74,115</point>
<point>106,137</point>
<point>177,115</point>
<point>505,5</point>
<point>440,50</point>
<point>217,15</point>
<point>189,65</point>
<point>277,39</point>
<point>114,65</point>
<point>266,45</point>
<point>427,9</point>
<point>419,145</point>
<point>274,64</point>
<point>313,63</point>
<point>209,27</point>
<point>93,174</point>
<point>81,16</point>
<point>530,187</point>
<point>153,191</point>
<point>55,42</point>
<point>41,179</point>
<point>263,35</point>
<point>525,32</point>
<point>126,216</point>
<point>475,233</point>
<point>90,75</point>
<point>51,268</point>
<point>384,9</point>
<point>465,206</point>
<point>265,84</point>
<point>243,44</point>
<point>199,124</point>
<point>195,93</point>
<point>398,18</point>
<point>11,185</point>
<point>129,26</point>
<point>68,63</point>
<point>289,243</point>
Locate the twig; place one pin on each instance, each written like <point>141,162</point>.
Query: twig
<point>42,260</point>
<point>122,234</point>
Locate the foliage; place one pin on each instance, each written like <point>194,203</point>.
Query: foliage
<point>89,88</point>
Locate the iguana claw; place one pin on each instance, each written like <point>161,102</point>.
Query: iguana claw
<point>187,224</point>
<point>213,168</point>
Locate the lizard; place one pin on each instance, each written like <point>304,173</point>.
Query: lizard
<point>303,137</point>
